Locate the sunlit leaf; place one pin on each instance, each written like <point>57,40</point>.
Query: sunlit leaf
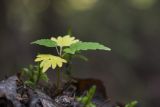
<point>64,41</point>
<point>45,42</point>
<point>85,46</point>
<point>47,61</point>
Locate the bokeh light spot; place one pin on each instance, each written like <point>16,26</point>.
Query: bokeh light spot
<point>82,4</point>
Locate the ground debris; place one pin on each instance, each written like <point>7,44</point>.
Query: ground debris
<point>15,94</point>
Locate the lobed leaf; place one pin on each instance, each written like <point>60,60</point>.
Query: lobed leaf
<point>64,41</point>
<point>45,42</point>
<point>47,61</point>
<point>79,46</point>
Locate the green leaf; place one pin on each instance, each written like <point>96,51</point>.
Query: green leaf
<point>91,105</point>
<point>84,99</point>
<point>79,46</point>
<point>132,104</point>
<point>81,57</point>
<point>44,77</point>
<point>30,83</point>
<point>87,99</point>
<point>26,72</point>
<point>91,93</point>
<point>45,42</point>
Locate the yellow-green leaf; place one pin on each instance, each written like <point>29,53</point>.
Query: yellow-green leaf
<point>64,41</point>
<point>47,61</point>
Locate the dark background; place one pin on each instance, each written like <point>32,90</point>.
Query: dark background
<point>131,71</point>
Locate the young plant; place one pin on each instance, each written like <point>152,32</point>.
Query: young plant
<point>34,74</point>
<point>67,47</point>
<point>132,104</point>
<point>87,99</point>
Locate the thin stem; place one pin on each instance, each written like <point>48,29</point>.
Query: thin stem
<point>57,50</point>
<point>58,72</point>
<point>58,79</point>
<point>60,52</point>
<point>39,74</point>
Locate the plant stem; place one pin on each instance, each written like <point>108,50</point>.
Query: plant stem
<point>60,52</point>
<point>57,50</point>
<point>58,79</point>
<point>39,75</point>
<point>58,72</point>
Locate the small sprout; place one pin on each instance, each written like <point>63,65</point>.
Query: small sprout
<point>33,75</point>
<point>87,100</point>
<point>132,104</point>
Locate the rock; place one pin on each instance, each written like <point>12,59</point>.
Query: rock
<point>40,99</point>
<point>8,92</point>
<point>13,94</point>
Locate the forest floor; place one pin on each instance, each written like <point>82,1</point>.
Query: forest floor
<point>14,93</point>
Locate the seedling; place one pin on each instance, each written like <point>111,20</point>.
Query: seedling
<point>67,47</point>
<point>132,104</point>
<point>87,99</point>
<point>34,74</point>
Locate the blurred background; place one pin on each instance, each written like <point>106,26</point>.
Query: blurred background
<point>131,71</point>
